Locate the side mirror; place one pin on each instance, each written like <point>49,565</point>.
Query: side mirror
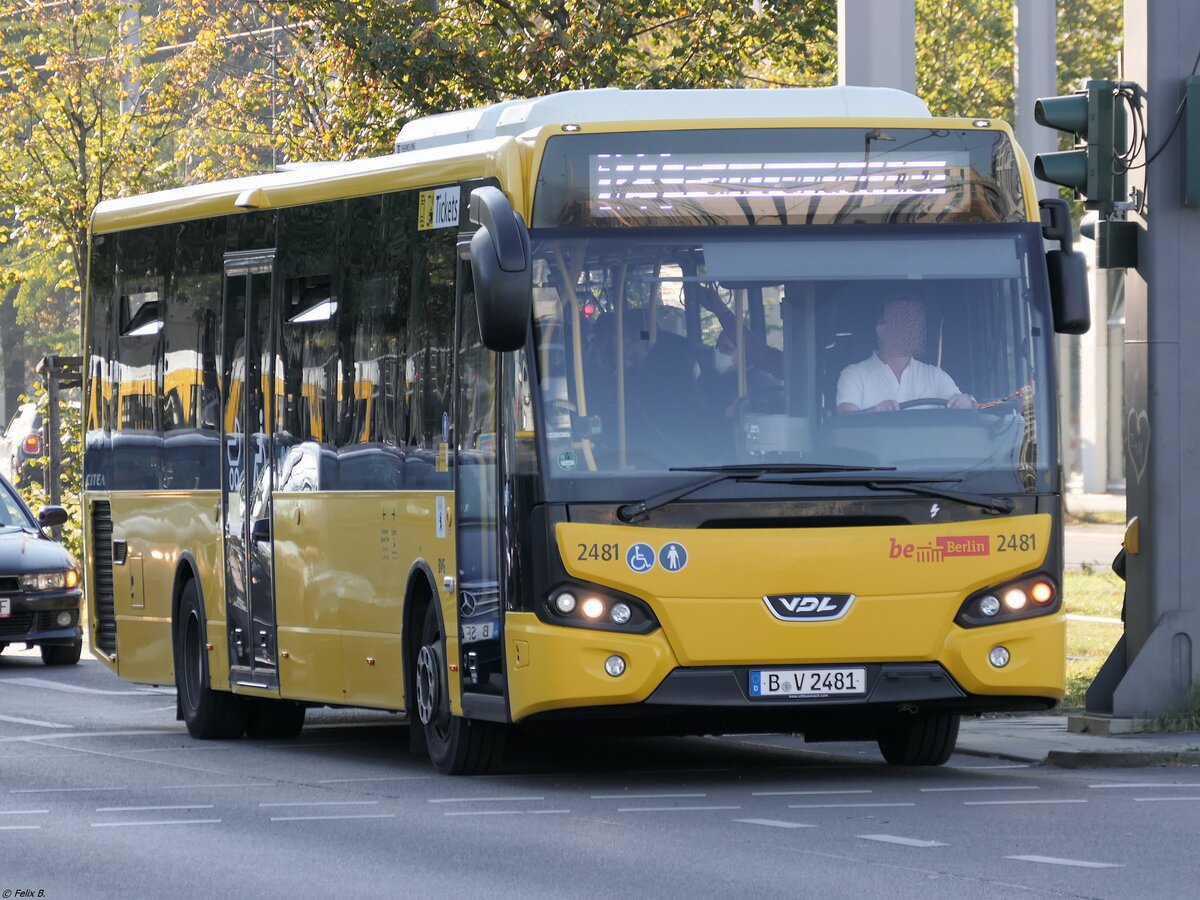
<point>260,531</point>
<point>1067,271</point>
<point>51,516</point>
<point>503,270</point>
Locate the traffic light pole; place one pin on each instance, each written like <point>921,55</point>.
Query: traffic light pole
<point>1154,670</point>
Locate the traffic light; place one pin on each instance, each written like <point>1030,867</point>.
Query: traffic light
<point>1093,169</point>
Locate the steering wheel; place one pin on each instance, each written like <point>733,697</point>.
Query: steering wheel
<point>923,401</point>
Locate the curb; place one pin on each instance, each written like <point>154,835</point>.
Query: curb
<point>1107,759</point>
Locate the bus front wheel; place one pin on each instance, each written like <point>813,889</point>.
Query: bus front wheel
<point>208,714</point>
<point>457,746</point>
<point>926,741</point>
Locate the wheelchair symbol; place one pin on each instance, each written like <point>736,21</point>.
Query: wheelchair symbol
<point>640,558</point>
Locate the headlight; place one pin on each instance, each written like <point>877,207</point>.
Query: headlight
<point>50,581</point>
<point>586,607</point>
<point>1035,594</point>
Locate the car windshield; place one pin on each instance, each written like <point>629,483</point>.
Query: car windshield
<point>922,350</point>
<point>12,513</point>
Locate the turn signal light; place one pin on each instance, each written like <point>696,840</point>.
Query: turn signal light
<point>1042,592</point>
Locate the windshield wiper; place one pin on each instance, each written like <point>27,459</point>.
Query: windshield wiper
<point>631,512</point>
<point>801,473</point>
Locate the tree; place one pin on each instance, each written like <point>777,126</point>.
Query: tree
<point>345,76</point>
<point>81,119</point>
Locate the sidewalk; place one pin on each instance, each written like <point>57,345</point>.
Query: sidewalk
<point>1046,740</point>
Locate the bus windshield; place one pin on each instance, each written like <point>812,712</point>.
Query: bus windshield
<point>922,349</point>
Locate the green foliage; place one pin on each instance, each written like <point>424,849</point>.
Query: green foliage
<point>70,470</point>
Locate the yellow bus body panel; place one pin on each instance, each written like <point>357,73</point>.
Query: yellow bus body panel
<point>342,563</point>
<point>551,667</point>
<point>909,583</point>
<point>156,526</point>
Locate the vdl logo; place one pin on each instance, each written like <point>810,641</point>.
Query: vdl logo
<point>808,607</point>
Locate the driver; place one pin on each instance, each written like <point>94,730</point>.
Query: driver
<point>891,375</point>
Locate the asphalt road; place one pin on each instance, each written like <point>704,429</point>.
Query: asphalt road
<point>103,794</point>
<point>1092,545</point>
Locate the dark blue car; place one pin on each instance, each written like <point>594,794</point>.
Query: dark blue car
<point>39,584</point>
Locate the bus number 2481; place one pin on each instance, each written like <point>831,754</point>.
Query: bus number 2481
<point>602,552</point>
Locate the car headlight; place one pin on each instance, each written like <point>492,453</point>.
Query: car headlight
<point>50,581</point>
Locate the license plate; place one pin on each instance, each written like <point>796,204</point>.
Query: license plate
<point>807,682</point>
<point>479,631</point>
<point>5,607</point>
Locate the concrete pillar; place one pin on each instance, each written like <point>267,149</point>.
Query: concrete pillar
<point>1035,75</point>
<point>1162,380</point>
<point>877,43</point>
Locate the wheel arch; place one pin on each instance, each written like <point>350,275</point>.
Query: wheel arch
<point>420,591</point>
<point>186,571</point>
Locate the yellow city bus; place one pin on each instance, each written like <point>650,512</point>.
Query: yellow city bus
<point>684,411</point>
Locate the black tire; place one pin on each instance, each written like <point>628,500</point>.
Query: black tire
<point>208,714</point>
<point>926,741</point>
<point>457,746</point>
<point>61,655</point>
<point>274,719</point>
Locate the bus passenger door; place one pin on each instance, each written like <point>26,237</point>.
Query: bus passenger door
<point>476,495</point>
<point>248,372</point>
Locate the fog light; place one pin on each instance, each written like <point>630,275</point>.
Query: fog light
<point>999,657</point>
<point>565,603</point>
<point>64,618</point>
<point>1015,599</point>
<point>593,607</point>
<point>621,613</point>
<point>989,606</point>
<point>615,666</point>
<point>1042,593</point>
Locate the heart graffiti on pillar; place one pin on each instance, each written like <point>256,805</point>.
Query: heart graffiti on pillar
<point>1137,440</point>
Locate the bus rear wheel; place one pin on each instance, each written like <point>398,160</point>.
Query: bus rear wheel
<point>208,714</point>
<point>927,741</point>
<point>457,746</point>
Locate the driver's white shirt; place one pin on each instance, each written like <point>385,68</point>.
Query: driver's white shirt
<point>872,381</point>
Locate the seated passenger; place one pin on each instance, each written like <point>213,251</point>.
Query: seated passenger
<point>892,375</point>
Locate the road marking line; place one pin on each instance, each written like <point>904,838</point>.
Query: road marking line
<point>803,793</point>
<point>486,800</point>
<point>674,808</point>
<point>509,812</point>
<point>1010,787</point>
<point>330,818</point>
<point>325,803</point>
<point>1141,784</point>
<point>988,768</point>
<point>1016,802</point>
<point>16,720</point>
<point>75,689</point>
<point>63,790</point>
<point>198,787</point>
<point>647,796</point>
<point>161,732</point>
<point>150,809</point>
<point>844,805</point>
<point>774,823</point>
<point>24,812</point>
<point>1161,799</point>
<point>19,827</point>
<point>1078,863</point>
<point>902,841</point>
<point>390,778</point>
<point>156,824</point>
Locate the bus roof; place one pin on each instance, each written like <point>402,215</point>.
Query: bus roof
<point>310,183</point>
<point>513,117</point>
